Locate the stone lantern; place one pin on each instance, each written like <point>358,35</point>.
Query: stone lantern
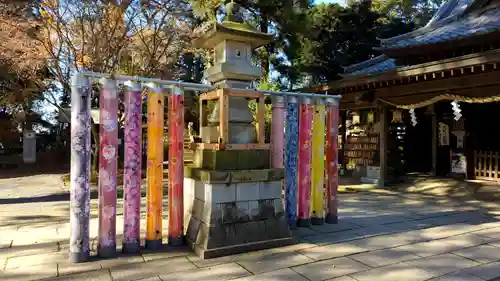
<point>232,197</point>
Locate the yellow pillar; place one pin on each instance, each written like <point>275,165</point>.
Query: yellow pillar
<point>318,163</point>
<point>155,168</point>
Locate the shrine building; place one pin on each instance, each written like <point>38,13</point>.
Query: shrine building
<point>429,104</point>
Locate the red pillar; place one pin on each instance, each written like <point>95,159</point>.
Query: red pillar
<point>176,167</point>
<point>332,183</point>
<point>304,167</point>
<point>108,154</point>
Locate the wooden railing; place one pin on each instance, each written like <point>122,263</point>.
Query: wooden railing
<point>486,165</point>
<point>188,153</point>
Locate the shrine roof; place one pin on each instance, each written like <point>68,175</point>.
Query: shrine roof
<point>378,64</point>
<point>455,19</point>
<point>456,25</point>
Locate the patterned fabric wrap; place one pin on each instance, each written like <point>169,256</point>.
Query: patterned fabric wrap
<point>291,157</point>
<point>80,167</point>
<point>108,146</point>
<point>133,167</point>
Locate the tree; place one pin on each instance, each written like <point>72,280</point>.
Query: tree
<point>22,59</point>
<point>267,16</point>
<point>145,38</point>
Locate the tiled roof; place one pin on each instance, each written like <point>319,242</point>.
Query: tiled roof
<point>448,23</point>
<point>379,64</point>
<point>449,9</point>
<point>451,28</point>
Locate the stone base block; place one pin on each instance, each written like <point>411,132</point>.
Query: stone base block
<point>229,218</point>
<point>232,159</point>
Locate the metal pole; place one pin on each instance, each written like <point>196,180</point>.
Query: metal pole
<point>277,132</point>
<point>318,164</point>
<point>291,156</point>
<point>304,168</point>
<point>176,167</point>
<point>155,168</point>
<point>79,211</point>
<point>332,181</point>
<point>295,94</point>
<point>148,80</point>
<point>108,148</point>
<point>133,169</point>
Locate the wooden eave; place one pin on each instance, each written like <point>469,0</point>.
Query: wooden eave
<point>473,63</point>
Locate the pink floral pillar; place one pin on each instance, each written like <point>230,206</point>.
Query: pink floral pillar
<point>277,132</point>
<point>176,167</point>
<point>108,154</point>
<point>332,183</point>
<point>304,166</point>
<point>133,168</point>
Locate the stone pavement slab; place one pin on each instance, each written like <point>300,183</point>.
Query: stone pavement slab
<point>384,257</point>
<point>343,278</point>
<point>332,251</point>
<point>337,237</point>
<point>487,271</point>
<point>28,273</point>
<point>432,248</point>
<point>149,269</point>
<point>97,275</point>
<point>482,253</point>
<point>286,274</point>
<point>490,232</point>
<point>399,271</point>
<point>273,262</point>
<point>460,276</point>
<point>328,269</point>
<point>215,273</point>
<point>443,264</point>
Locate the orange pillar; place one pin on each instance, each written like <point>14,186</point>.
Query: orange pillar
<point>154,196</point>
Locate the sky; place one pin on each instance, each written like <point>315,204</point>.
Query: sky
<point>328,1</point>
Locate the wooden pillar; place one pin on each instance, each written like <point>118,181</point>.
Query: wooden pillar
<point>434,139</point>
<point>383,145</point>
<point>343,133</point>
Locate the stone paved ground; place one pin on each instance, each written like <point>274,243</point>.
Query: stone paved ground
<point>382,235</point>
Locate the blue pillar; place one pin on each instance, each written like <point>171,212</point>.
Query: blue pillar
<point>291,157</point>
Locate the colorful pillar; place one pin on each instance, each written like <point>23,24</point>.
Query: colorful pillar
<point>304,167</point>
<point>79,210</point>
<point>133,168</point>
<point>332,125</point>
<point>176,167</point>
<point>277,132</point>
<point>108,154</point>
<point>318,163</point>
<point>291,157</point>
<point>155,168</point>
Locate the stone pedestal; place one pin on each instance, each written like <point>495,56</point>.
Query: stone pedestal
<point>229,212</point>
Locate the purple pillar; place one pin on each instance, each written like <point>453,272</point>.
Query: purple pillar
<point>133,168</point>
<point>79,206</point>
